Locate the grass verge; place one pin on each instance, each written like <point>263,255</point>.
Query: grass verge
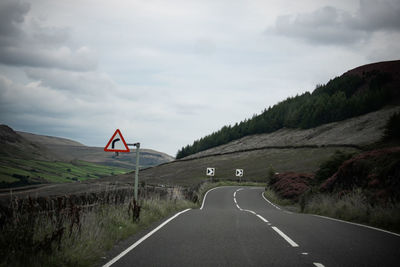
<point>354,207</point>
<point>274,198</point>
<point>72,236</point>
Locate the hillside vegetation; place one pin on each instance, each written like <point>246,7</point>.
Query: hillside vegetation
<point>24,162</point>
<point>357,92</point>
<point>67,150</point>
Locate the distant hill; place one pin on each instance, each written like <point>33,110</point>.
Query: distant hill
<point>68,150</point>
<point>14,145</point>
<point>48,140</point>
<point>359,91</point>
<point>30,159</point>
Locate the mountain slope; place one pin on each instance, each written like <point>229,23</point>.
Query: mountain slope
<point>68,150</point>
<point>355,132</point>
<point>30,159</point>
<point>14,145</point>
<point>359,91</point>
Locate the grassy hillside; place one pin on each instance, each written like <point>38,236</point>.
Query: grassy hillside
<point>256,165</point>
<point>67,150</point>
<point>365,89</point>
<point>19,172</point>
<point>25,162</point>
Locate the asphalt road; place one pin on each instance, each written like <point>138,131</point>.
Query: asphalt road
<point>238,227</point>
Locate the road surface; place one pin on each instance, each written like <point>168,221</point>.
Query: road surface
<point>237,226</point>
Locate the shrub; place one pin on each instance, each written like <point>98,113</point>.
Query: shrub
<point>392,128</point>
<point>329,167</point>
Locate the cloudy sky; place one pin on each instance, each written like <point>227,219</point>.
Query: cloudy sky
<point>167,72</point>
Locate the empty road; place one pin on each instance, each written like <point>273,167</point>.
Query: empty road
<point>236,226</point>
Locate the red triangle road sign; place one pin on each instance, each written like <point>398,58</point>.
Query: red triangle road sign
<point>117,143</point>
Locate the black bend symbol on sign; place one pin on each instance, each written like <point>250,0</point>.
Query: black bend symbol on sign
<point>114,141</point>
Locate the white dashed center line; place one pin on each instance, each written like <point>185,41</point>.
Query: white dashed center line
<point>276,229</point>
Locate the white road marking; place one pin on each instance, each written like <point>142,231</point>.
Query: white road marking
<point>288,239</point>
<point>252,212</point>
<point>262,194</point>
<point>111,262</point>
<point>234,194</point>
<point>262,218</point>
<point>288,212</point>
<point>239,207</point>
<point>358,224</point>
<point>317,264</point>
<point>235,200</point>
<point>304,253</point>
<point>204,199</point>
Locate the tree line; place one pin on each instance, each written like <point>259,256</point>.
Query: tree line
<point>341,98</point>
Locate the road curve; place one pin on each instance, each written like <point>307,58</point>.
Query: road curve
<point>236,226</point>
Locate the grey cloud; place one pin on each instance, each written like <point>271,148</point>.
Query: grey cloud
<point>378,15</point>
<point>329,25</point>
<point>12,13</point>
<point>26,42</point>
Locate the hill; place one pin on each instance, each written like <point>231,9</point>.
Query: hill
<point>27,159</point>
<point>299,151</point>
<point>68,150</point>
<point>359,91</point>
<point>287,149</point>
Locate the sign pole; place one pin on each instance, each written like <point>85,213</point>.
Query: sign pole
<point>137,171</point>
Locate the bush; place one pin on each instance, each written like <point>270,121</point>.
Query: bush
<point>329,167</point>
<point>392,128</point>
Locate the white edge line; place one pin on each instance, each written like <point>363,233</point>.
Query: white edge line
<point>204,199</point>
<point>262,194</point>
<point>262,218</point>
<point>234,194</point>
<point>111,262</point>
<point>358,224</point>
<point>318,264</point>
<point>282,234</point>
<point>238,207</point>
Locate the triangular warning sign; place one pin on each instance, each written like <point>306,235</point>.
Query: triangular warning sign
<point>117,143</point>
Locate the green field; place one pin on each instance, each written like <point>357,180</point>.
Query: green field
<point>27,171</point>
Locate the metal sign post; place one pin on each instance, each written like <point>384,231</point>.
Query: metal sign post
<point>239,173</point>
<point>117,144</point>
<point>137,170</point>
<point>136,184</point>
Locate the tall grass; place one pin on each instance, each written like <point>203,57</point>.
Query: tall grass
<point>44,232</point>
<point>355,207</point>
<point>273,197</point>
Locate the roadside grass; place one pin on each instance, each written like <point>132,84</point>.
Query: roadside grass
<point>286,203</point>
<point>76,236</point>
<point>352,207</point>
<point>33,171</point>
